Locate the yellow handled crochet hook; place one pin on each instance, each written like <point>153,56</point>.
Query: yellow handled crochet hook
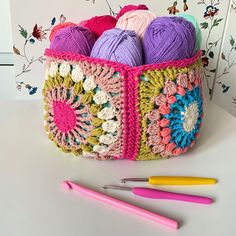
<point>173,180</point>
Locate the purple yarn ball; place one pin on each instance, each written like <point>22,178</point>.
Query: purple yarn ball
<point>168,39</point>
<point>74,39</point>
<point>120,46</point>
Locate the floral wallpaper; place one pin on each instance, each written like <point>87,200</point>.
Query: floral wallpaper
<point>32,31</point>
<point>37,33</point>
<point>225,82</point>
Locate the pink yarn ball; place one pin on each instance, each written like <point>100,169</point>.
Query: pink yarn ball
<point>83,23</point>
<point>74,39</point>
<point>130,7</point>
<point>99,24</point>
<point>137,21</point>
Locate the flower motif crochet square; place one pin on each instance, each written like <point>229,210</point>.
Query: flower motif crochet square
<point>83,104</point>
<point>171,110</point>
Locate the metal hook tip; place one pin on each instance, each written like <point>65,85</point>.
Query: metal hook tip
<point>116,187</point>
<point>122,181</point>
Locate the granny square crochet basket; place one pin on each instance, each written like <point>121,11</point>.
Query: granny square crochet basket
<point>112,111</point>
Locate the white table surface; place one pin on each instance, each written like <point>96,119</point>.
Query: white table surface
<point>32,202</point>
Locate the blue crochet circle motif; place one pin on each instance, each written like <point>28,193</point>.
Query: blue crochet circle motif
<point>185,117</point>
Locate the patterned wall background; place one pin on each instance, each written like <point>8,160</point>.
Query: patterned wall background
<point>225,82</point>
<point>33,22</point>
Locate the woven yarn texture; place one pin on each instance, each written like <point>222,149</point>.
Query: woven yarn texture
<point>107,110</point>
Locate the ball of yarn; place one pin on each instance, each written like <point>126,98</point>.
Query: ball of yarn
<point>82,23</point>
<point>130,7</point>
<point>167,39</point>
<point>198,32</point>
<point>73,39</point>
<point>119,45</point>
<point>59,27</point>
<point>136,20</point>
<point>99,24</point>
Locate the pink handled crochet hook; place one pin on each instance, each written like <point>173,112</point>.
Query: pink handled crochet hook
<point>123,205</point>
<point>160,194</point>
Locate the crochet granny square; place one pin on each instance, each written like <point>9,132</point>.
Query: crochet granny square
<point>108,110</point>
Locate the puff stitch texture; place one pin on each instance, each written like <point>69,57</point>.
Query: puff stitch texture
<point>108,110</point>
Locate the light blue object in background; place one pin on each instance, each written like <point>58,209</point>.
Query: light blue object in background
<point>194,21</point>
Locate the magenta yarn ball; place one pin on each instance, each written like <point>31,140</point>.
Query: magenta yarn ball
<point>99,24</point>
<point>168,39</point>
<point>74,39</point>
<point>130,7</point>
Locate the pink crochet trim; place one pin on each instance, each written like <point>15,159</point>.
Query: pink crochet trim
<point>72,57</point>
<point>131,135</point>
<point>77,57</point>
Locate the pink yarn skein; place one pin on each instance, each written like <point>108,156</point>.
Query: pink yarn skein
<point>83,23</point>
<point>128,8</point>
<point>137,21</point>
<point>99,24</point>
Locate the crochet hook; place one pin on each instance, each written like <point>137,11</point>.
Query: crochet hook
<point>173,180</point>
<point>160,194</point>
<point>123,205</point>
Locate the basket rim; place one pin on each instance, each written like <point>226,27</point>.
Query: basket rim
<point>74,57</point>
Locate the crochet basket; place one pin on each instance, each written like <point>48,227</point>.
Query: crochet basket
<point>112,111</point>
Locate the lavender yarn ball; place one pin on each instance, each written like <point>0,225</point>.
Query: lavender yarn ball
<point>74,39</point>
<point>168,39</point>
<point>120,46</point>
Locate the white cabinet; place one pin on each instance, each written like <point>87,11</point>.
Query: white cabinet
<point>5,33</point>
<point>7,88</point>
